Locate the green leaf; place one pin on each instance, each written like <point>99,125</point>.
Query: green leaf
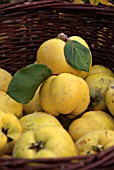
<point>77,55</point>
<point>26,81</point>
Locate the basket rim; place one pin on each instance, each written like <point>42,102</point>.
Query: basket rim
<point>58,4</point>
<point>103,160</point>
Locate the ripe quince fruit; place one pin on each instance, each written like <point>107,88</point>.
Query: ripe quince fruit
<point>90,121</point>
<point>45,142</point>
<point>5,78</point>
<point>64,94</point>
<point>10,130</point>
<point>95,142</point>
<point>34,104</point>
<point>98,84</point>
<point>38,119</point>
<point>97,68</point>
<point>9,105</point>
<point>51,53</point>
<point>109,98</point>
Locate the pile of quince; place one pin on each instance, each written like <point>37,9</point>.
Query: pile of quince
<point>60,106</point>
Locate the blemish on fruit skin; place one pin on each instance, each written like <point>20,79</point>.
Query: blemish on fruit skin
<point>30,124</point>
<point>82,142</point>
<point>112,87</point>
<point>23,149</point>
<point>106,133</point>
<point>88,152</point>
<point>102,79</point>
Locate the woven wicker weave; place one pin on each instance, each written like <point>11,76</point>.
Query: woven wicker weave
<point>24,26</point>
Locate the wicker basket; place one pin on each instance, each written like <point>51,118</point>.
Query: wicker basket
<point>24,26</point>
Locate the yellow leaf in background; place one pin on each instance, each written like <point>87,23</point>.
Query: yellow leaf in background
<point>106,2</point>
<point>94,2</point>
<point>78,2</point>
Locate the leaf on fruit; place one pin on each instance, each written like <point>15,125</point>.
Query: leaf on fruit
<point>77,55</point>
<point>26,81</point>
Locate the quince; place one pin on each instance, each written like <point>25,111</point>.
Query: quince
<point>9,105</point>
<point>5,78</point>
<point>98,84</point>
<point>109,98</point>
<point>10,131</point>
<point>34,104</point>
<point>64,94</point>
<point>95,142</point>
<point>90,121</point>
<point>51,53</point>
<point>38,119</point>
<point>45,142</point>
<point>100,69</point>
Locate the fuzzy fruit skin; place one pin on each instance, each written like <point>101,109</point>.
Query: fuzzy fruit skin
<point>54,144</point>
<point>102,139</point>
<point>3,143</point>
<point>101,69</point>
<point>9,123</point>
<point>98,84</point>
<point>5,78</point>
<point>90,121</point>
<point>33,105</point>
<point>64,93</point>
<point>51,53</point>
<point>38,119</point>
<point>9,105</point>
<point>109,98</point>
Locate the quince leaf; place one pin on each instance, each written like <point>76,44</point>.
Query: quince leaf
<point>25,82</point>
<point>77,55</point>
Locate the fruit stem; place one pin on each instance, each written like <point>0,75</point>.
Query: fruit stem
<point>97,148</point>
<point>37,146</point>
<point>63,37</point>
